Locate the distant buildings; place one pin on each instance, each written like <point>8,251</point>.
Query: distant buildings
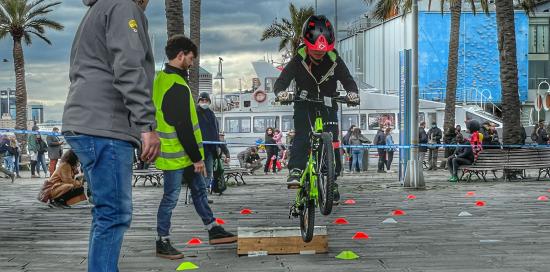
<point>35,112</point>
<point>205,81</point>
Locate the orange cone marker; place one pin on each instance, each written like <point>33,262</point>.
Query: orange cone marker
<point>246,211</point>
<point>220,221</point>
<point>398,212</point>
<point>194,241</point>
<point>360,235</point>
<point>349,202</point>
<point>543,198</point>
<point>480,203</point>
<point>411,197</point>
<point>341,221</point>
<point>470,194</point>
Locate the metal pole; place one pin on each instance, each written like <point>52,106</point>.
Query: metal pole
<point>414,177</point>
<point>315,7</point>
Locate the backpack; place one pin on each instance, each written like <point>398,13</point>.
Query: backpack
<point>218,183</point>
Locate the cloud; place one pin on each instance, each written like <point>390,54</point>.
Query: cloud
<point>230,29</point>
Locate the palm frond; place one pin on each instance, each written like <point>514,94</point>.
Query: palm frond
<point>41,36</point>
<point>27,38</point>
<point>44,22</point>
<point>40,10</point>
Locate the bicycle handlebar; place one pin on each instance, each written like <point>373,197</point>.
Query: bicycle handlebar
<point>338,99</point>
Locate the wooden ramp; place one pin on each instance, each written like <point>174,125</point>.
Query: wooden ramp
<point>257,241</point>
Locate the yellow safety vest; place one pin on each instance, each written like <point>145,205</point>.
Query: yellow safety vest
<point>172,154</point>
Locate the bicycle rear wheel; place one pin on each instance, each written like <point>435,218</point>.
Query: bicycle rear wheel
<point>307,220</point>
<point>325,171</point>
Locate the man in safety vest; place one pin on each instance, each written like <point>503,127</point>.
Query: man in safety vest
<point>182,152</point>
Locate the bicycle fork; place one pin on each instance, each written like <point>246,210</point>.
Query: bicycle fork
<point>308,188</point>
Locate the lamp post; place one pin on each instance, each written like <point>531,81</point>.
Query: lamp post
<point>222,101</point>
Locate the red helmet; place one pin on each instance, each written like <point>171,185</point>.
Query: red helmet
<point>318,33</point>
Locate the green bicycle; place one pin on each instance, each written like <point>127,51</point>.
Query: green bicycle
<point>317,180</point>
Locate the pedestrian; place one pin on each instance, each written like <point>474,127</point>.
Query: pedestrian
<point>208,124</point>
<point>271,151</point>
<point>345,141</point>
<point>17,156</point>
<point>448,138</point>
<point>41,157</point>
<point>357,140</point>
<point>55,149</point>
<point>223,150</point>
<point>390,150</point>
<point>278,138</point>
<point>182,154</point>
<point>250,160</point>
<point>463,155</point>
<point>65,189</point>
<point>523,135</point>
<point>539,135</point>
<point>9,159</point>
<point>32,146</point>
<point>109,113</point>
<point>4,147</point>
<point>423,141</point>
<point>380,140</point>
<point>434,139</point>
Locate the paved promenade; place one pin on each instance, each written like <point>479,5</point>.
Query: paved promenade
<point>510,233</point>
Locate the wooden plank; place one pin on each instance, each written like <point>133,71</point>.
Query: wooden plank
<point>280,240</point>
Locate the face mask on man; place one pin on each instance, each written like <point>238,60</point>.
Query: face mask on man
<point>204,105</point>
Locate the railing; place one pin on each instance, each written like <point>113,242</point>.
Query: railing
<point>469,96</point>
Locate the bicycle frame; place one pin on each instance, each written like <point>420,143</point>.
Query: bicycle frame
<point>311,166</point>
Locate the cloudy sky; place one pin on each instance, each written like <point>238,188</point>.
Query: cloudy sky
<point>230,29</point>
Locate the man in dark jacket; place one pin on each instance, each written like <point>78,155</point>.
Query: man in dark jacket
<point>434,137</point>
<point>422,139</point>
<point>109,112</point>
<point>463,156</point>
<point>380,139</point>
<point>540,136</point>
<point>316,68</point>
<point>210,132</point>
<point>55,149</point>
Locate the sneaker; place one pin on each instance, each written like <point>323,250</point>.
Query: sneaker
<point>12,177</point>
<point>454,179</point>
<point>381,171</point>
<point>167,251</point>
<point>218,235</point>
<point>210,201</point>
<point>293,180</point>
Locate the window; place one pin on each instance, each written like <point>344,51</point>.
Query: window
<point>349,120</point>
<point>378,119</point>
<point>432,117</point>
<point>287,123</point>
<point>246,104</point>
<point>538,39</point>
<point>261,123</point>
<point>539,70</point>
<point>237,124</point>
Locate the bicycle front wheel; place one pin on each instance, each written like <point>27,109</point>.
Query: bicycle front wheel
<point>325,173</point>
<point>307,220</point>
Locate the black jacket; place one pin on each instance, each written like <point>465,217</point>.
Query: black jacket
<point>540,135</point>
<point>422,139</point>
<point>296,69</point>
<point>465,151</point>
<point>209,127</point>
<point>436,134</point>
<point>379,139</point>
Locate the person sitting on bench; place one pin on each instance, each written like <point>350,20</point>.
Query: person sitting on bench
<point>250,160</point>
<point>65,189</point>
<point>463,155</point>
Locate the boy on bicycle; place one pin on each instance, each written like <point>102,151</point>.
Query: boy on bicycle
<point>316,68</point>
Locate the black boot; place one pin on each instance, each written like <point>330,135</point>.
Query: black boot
<point>167,251</point>
<point>335,193</point>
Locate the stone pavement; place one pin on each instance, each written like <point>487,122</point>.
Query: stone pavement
<point>510,233</point>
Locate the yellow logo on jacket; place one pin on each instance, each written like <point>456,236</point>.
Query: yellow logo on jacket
<point>133,25</point>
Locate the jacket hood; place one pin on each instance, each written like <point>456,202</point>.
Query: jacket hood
<point>89,3</point>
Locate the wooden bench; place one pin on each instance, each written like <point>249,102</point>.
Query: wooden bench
<point>235,173</point>
<point>151,174</point>
<point>508,161</point>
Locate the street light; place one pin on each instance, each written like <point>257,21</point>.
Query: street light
<point>219,76</point>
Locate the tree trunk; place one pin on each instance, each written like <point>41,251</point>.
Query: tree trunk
<point>196,38</point>
<point>508,71</point>
<point>20,93</point>
<point>174,17</point>
<point>450,96</point>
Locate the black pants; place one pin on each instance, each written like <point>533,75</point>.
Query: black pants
<point>389,160</point>
<point>432,158</point>
<point>271,152</point>
<point>453,164</point>
<point>70,194</point>
<point>304,121</point>
<point>381,159</point>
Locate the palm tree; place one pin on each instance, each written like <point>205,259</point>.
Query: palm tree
<point>289,30</point>
<point>23,19</point>
<point>509,70</point>
<point>195,16</point>
<point>174,17</point>
<point>388,8</point>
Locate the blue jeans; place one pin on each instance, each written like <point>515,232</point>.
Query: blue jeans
<point>107,164</point>
<point>172,188</point>
<point>209,164</point>
<point>10,163</point>
<point>357,159</point>
<point>41,160</point>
